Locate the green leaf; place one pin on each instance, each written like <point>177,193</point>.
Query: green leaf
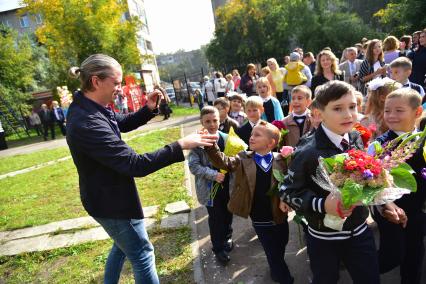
<point>378,149</point>
<point>403,177</point>
<point>278,175</point>
<point>329,164</point>
<point>369,193</point>
<point>273,191</point>
<point>424,152</point>
<point>351,193</point>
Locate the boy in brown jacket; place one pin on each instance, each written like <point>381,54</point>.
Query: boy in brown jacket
<point>298,122</point>
<point>250,197</point>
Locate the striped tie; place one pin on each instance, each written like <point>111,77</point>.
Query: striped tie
<point>344,144</point>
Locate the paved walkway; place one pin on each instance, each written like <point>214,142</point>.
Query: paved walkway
<point>154,124</point>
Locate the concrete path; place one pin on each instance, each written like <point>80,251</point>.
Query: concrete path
<point>79,230</point>
<point>154,124</point>
<point>248,262</point>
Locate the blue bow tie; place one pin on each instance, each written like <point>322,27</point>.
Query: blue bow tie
<point>264,162</point>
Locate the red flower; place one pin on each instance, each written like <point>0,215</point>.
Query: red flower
<point>279,124</point>
<point>364,132</point>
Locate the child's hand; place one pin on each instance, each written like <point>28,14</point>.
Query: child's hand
<point>220,177</point>
<point>395,214</point>
<point>333,206</point>
<point>284,207</point>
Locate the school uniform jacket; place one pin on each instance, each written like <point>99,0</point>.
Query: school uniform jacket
<point>415,202</point>
<point>293,136</point>
<point>305,196</point>
<point>244,132</point>
<point>244,166</point>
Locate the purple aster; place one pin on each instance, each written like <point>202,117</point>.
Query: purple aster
<point>367,174</point>
<point>424,173</point>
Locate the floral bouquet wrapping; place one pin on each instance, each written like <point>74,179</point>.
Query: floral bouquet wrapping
<point>234,144</point>
<point>373,178</point>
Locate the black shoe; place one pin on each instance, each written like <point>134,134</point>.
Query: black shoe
<point>229,246</point>
<point>223,257</point>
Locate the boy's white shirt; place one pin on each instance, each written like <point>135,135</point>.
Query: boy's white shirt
<point>253,124</point>
<point>336,139</point>
<point>266,99</point>
<point>305,113</point>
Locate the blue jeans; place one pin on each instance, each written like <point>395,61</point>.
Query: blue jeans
<point>131,241</point>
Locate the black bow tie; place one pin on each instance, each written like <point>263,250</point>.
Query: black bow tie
<point>299,116</point>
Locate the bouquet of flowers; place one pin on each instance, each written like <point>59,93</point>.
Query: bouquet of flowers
<point>374,178</point>
<point>364,132</point>
<point>234,144</point>
<point>283,130</point>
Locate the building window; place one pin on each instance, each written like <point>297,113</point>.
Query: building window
<point>148,45</point>
<point>5,23</point>
<point>24,21</point>
<point>38,19</point>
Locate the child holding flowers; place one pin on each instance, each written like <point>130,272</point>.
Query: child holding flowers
<point>252,195</point>
<point>206,176</point>
<point>354,243</point>
<point>402,224</point>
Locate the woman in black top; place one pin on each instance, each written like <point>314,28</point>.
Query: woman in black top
<point>326,70</point>
<point>373,65</point>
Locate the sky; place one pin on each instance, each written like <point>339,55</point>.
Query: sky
<point>179,24</point>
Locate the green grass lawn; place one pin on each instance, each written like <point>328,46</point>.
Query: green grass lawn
<point>18,162</point>
<point>51,193</point>
<point>86,262</point>
<point>184,111</point>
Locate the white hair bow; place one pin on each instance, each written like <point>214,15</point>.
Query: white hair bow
<point>379,82</point>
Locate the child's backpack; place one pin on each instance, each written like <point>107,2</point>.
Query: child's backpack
<point>294,75</point>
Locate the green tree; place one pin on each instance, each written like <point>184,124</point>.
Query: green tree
<point>16,67</point>
<point>401,17</point>
<point>74,29</point>
<point>254,30</point>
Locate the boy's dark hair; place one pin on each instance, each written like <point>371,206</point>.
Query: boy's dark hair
<point>313,105</point>
<point>208,110</point>
<point>402,62</point>
<point>412,96</point>
<point>223,102</point>
<point>406,39</point>
<point>332,91</point>
<point>302,89</point>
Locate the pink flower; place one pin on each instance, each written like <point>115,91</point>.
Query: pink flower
<point>372,127</point>
<point>286,151</point>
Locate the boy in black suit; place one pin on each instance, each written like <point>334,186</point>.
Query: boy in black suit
<point>354,244</point>
<point>402,223</point>
<point>254,110</point>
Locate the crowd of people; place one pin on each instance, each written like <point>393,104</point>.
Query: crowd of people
<point>315,114</point>
<point>377,85</point>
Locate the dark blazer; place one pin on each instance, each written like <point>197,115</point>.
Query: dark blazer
<point>415,202</point>
<point>227,123</point>
<point>244,132</point>
<point>299,190</point>
<point>60,115</point>
<point>318,80</point>
<point>106,165</point>
<point>45,116</point>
